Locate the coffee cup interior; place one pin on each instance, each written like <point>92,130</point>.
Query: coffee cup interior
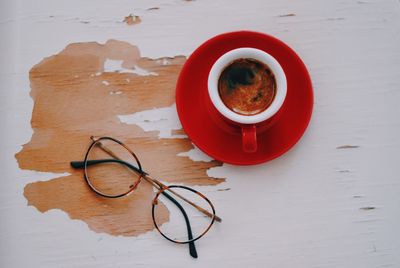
<point>250,54</point>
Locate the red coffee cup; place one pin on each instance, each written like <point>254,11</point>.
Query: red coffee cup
<point>247,123</point>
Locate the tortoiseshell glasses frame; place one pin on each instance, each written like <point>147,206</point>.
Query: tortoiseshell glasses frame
<point>170,191</point>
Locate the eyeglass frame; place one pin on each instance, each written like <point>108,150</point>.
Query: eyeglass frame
<point>154,182</point>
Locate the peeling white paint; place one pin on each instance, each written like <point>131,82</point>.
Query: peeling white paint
<point>196,154</point>
<point>30,176</point>
<point>163,120</point>
<point>164,61</point>
<point>116,66</point>
<point>143,72</point>
<point>115,92</point>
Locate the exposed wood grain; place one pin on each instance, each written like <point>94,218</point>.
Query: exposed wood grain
<point>368,208</point>
<point>347,147</point>
<point>72,103</point>
<point>132,19</point>
<point>178,132</point>
<point>287,15</point>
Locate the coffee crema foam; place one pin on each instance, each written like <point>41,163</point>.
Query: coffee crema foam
<point>247,86</point>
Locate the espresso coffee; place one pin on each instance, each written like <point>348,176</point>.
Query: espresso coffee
<point>247,86</point>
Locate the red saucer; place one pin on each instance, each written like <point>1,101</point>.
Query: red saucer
<point>210,133</point>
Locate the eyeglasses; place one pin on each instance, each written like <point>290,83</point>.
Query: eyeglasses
<point>121,174</point>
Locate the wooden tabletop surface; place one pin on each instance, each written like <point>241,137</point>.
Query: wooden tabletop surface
<point>68,69</point>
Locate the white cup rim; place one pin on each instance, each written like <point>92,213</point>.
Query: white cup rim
<point>264,57</point>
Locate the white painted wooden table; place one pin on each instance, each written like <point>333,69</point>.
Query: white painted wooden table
<point>316,206</point>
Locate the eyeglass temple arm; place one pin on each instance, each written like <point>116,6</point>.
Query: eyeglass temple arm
<point>192,248</point>
<point>81,164</point>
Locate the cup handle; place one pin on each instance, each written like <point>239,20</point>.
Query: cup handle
<point>249,138</point>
